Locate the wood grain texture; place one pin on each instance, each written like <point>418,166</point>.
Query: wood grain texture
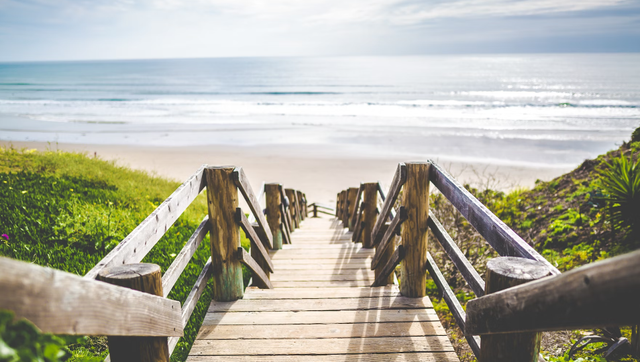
<point>369,213</point>
<point>291,195</point>
<point>388,237</point>
<point>146,278</point>
<point>356,357</point>
<point>390,267</point>
<point>504,240</point>
<point>317,293</point>
<point>255,268</point>
<point>264,260</point>
<point>452,302</point>
<point>284,305</point>
<point>222,198</point>
<point>399,179</point>
<point>599,294</point>
<point>274,217</point>
<point>196,292</point>
<point>242,182</point>
<point>415,199</point>
<point>172,274</point>
<point>393,329</point>
<point>63,303</point>
<point>356,209</point>
<point>352,192</point>
<point>140,241</point>
<point>463,265</point>
<point>324,346</point>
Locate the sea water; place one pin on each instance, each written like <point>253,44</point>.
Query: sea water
<point>547,110</point>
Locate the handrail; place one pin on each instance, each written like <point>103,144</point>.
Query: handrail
<point>140,241</point>
<point>604,293</point>
<point>170,277</point>
<point>399,179</point>
<point>354,214</point>
<point>64,303</point>
<point>252,219</point>
<point>244,186</point>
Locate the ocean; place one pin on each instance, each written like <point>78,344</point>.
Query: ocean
<point>538,110</point>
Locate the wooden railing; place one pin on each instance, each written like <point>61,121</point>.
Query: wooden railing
<point>59,302</point>
<point>507,320</point>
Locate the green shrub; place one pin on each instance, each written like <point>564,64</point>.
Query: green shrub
<point>21,341</point>
<point>620,182</point>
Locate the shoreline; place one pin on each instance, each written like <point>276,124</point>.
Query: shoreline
<point>319,172</point>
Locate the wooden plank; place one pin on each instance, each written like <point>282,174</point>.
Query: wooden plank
<point>604,293</point>
<point>452,302</point>
<point>140,241</point>
<point>399,179</point>
<point>303,276</point>
<point>504,240</point>
<point>380,357</point>
<point>325,273</point>
<point>322,254</point>
<point>288,264</point>
<point>388,236</point>
<point>321,284</point>
<point>286,224</point>
<point>196,292</point>
<point>241,181</point>
<point>250,263</point>
<point>463,265</point>
<point>315,317</point>
<point>172,274</point>
<point>63,303</point>
<point>256,242</point>
<point>395,329</point>
<point>317,293</point>
<point>396,258</point>
<point>322,346</point>
<point>359,224</point>
<point>286,237</point>
<point>356,209</point>
<point>285,305</point>
<point>291,195</point>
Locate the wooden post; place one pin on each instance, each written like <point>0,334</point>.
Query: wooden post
<point>415,199</point>
<point>301,205</point>
<point>291,195</point>
<point>145,278</point>
<point>274,219</point>
<point>315,210</point>
<point>503,273</point>
<point>340,209</point>
<point>306,207</point>
<point>369,216</point>
<point>222,197</point>
<point>352,192</point>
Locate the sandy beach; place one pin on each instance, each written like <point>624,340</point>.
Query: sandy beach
<point>317,171</point>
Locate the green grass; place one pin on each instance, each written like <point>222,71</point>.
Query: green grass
<point>67,211</point>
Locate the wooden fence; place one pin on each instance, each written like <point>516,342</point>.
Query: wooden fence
<point>142,324</point>
<point>509,320</point>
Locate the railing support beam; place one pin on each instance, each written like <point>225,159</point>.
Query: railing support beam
<point>222,198</point>
<point>145,278</point>
<point>503,273</point>
<point>370,200</point>
<point>415,199</point>
<point>274,219</point>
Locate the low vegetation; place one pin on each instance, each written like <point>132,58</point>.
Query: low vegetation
<point>67,211</point>
<point>586,215</point>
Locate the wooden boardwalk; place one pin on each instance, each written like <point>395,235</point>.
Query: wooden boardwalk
<point>322,309</point>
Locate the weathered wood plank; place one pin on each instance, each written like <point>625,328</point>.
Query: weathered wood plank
<point>256,242</point>
<point>285,305</point>
<point>356,209</point>
<point>358,225</point>
<point>63,303</point>
<point>323,346</point>
<point>380,357</point>
<point>369,213</point>
<point>395,259</point>
<point>452,302</point>
<point>463,265</point>
<point>321,284</point>
<point>504,240</point>
<point>315,317</point>
<point>399,179</point>
<point>303,276</point>
<point>394,329</point>
<point>196,292</point>
<point>257,271</point>
<point>604,293</point>
<point>172,274</point>
<point>140,241</point>
<point>241,181</point>
<point>316,293</point>
<point>388,236</point>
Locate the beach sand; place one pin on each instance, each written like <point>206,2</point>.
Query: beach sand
<point>319,172</point>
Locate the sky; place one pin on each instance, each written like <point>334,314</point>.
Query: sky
<point>37,30</point>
